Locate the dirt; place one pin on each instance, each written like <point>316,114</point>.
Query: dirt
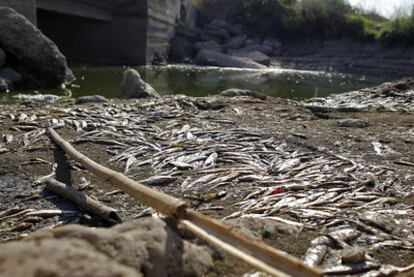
<point>284,119</point>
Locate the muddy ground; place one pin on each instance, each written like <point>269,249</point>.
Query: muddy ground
<point>290,121</point>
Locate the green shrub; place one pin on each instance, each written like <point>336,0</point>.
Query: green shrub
<point>362,28</point>
<point>398,32</point>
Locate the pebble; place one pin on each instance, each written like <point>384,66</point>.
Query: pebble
<point>353,255</point>
<point>353,123</point>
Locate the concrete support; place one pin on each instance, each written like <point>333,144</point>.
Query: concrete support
<point>106,32</point>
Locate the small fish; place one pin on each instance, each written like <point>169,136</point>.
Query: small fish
<point>315,255</point>
<point>158,181</point>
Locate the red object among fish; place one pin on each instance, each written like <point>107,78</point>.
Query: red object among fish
<point>277,191</point>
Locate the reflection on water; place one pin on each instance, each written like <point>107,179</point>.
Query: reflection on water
<point>203,81</point>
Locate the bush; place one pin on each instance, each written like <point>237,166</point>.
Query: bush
<point>261,18</point>
<point>398,32</point>
<point>363,29</point>
<point>311,19</point>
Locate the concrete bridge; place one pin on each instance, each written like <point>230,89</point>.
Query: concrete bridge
<point>106,32</point>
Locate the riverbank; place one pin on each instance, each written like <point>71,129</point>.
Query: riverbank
<point>348,56</point>
<point>323,178</point>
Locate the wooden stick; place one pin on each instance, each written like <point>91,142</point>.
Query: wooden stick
<point>232,250</point>
<point>259,250</point>
<point>255,253</point>
<point>81,200</point>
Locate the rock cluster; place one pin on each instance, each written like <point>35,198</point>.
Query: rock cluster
<point>28,59</point>
<point>220,43</point>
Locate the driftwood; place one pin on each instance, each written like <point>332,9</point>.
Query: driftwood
<point>255,253</point>
<point>82,201</point>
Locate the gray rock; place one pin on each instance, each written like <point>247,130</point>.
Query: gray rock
<point>10,74</point>
<point>267,50</point>
<point>353,255</point>
<point>223,34</point>
<point>236,42</point>
<point>208,45</point>
<point>353,123</point>
<point>275,44</point>
<point>147,245</point>
<point>234,92</point>
<point>4,86</point>
<point>42,61</point>
<point>260,58</point>
<point>91,99</point>
<point>250,42</point>
<point>58,257</point>
<point>232,29</point>
<point>204,36</point>
<point>207,57</point>
<point>132,86</point>
<point>2,58</point>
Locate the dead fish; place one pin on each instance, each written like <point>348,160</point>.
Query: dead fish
<point>315,255</point>
<point>181,165</point>
<point>48,213</point>
<point>16,215</point>
<point>19,227</point>
<point>211,160</point>
<point>158,181</point>
<point>200,181</point>
<point>382,222</point>
<point>345,234</point>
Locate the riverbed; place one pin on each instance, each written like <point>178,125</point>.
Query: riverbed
<point>315,170</point>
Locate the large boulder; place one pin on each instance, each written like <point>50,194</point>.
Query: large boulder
<point>147,247</point>
<point>217,32</point>
<point>132,86</point>
<point>233,29</point>
<point>42,62</point>
<point>260,58</point>
<point>236,42</point>
<point>2,58</point>
<point>208,45</point>
<point>207,57</point>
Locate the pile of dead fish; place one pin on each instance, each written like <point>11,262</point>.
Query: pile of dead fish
<point>365,100</point>
<point>177,145</point>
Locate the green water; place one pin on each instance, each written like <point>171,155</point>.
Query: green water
<point>204,81</point>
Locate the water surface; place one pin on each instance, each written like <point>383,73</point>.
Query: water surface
<point>204,81</point>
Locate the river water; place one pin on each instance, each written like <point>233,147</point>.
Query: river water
<point>204,81</point>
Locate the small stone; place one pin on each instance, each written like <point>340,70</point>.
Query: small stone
<point>234,92</point>
<point>133,86</point>
<point>353,255</point>
<point>353,123</point>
